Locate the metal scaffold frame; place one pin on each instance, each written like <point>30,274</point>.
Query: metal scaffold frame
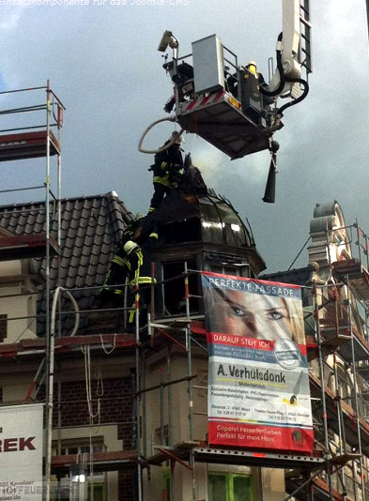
<point>28,142</point>
<point>178,333</point>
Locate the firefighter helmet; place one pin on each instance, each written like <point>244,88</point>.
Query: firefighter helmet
<point>178,137</point>
<point>252,68</point>
<point>139,216</point>
<point>129,247</point>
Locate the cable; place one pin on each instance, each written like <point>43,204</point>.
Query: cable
<point>99,383</point>
<point>53,310</point>
<point>279,89</point>
<point>86,352</point>
<point>162,148</point>
<point>103,346</point>
<point>299,253</point>
<point>299,99</point>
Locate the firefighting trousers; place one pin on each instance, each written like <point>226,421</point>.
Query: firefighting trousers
<point>159,191</point>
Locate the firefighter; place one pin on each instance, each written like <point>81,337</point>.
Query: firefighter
<point>140,275</point>
<point>168,170</point>
<point>133,262</point>
<point>133,228</point>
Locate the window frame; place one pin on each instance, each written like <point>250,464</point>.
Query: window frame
<point>166,485</point>
<point>229,482</point>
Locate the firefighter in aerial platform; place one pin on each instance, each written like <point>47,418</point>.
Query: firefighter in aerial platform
<point>168,170</point>
<point>131,261</point>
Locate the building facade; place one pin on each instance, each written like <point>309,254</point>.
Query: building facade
<point>130,410</point>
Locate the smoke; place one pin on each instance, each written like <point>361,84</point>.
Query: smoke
<point>217,168</point>
<point>211,163</point>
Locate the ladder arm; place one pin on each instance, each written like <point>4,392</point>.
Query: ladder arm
<point>293,48</point>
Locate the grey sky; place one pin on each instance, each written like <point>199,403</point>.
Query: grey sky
<point>103,64</point>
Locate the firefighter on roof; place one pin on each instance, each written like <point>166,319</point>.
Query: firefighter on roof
<point>133,262</point>
<point>133,228</point>
<point>168,170</point>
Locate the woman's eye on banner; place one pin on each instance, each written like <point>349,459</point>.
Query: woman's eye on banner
<point>254,315</point>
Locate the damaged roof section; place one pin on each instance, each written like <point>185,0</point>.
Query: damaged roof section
<point>193,223</point>
<point>207,217</point>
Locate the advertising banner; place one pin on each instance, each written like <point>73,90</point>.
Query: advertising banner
<point>21,449</point>
<point>258,388</point>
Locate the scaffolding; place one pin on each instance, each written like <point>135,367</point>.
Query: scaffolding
<point>342,453</point>
<point>26,139</point>
<point>338,343</point>
<point>339,465</point>
<point>336,316</point>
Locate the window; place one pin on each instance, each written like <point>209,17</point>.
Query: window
<point>229,487</point>
<point>159,439</point>
<point>166,486</point>
<point>3,327</point>
<point>227,265</point>
<point>238,270</point>
<point>65,489</point>
<point>71,449</point>
<point>97,483</point>
<point>174,288</point>
<point>99,491</point>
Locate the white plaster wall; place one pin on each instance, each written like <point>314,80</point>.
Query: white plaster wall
<point>10,268</point>
<point>16,307</point>
<point>12,283</point>
<point>15,393</point>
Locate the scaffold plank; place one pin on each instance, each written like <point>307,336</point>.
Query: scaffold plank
<point>342,459</point>
<point>206,454</point>
<point>361,348</point>
<point>27,145</point>
<point>26,247</point>
<point>335,341</point>
<point>320,486</point>
<point>103,461</point>
<point>68,344</point>
<point>262,459</point>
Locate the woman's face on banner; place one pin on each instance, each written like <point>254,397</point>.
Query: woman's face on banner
<point>254,315</point>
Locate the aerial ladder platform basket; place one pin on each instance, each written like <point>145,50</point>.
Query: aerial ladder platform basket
<point>229,105</point>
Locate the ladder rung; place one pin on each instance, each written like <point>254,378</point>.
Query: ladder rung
<point>305,9</point>
<point>305,22</point>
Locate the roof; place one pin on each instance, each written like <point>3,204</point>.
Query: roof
<point>202,217</point>
<point>297,276</point>
<point>219,222</point>
<point>90,228</point>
